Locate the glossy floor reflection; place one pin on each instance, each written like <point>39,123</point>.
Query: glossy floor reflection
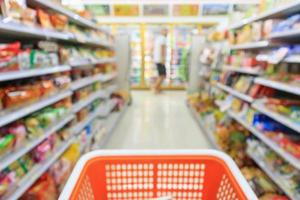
<point>157,122</point>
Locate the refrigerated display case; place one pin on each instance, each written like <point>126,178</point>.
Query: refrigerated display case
<point>143,69</point>
<point>134,32</point>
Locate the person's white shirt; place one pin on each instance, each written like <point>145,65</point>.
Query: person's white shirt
<point>159,41</point>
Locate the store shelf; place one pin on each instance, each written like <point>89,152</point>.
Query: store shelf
<point>251,45</point>
<point>20,31</point>
<point>290,34</point>
<point>25,148</point>
<point>81,125</point>
<point>10,116</point>
<point>36,172</point>
<point>90,138</point>
<point>108,77</point>
<point>292,59</point>
<point>73,17</point>
<point>84,62</point>
<point>208,134</point>
<point>104,60</point>
<point>275,147</point>
<point>277,85</point>
<point>243,70</point>
<point>289,59</point>
<point>111,124</point>
<point>86,81</point>
<point>235,93</point>
<point>107,108</point>
<point>111,89</point>
<point>13,75</point>
<point>92,97</point>
<point>274,176</point>
<point>282,11</point>
<point>280,118</point>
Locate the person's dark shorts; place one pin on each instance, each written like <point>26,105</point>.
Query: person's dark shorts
<point>161,69</point>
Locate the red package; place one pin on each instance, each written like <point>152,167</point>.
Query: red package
<point>43,189</point>
<point>249,62</point>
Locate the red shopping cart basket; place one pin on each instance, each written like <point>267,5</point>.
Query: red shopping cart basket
<point>143,174</point>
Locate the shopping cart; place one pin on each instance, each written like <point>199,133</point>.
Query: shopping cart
<point>145,174</point>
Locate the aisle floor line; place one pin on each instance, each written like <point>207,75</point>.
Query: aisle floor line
<point>158,122</point>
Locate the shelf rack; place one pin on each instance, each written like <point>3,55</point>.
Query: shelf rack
<point>275,147</point>
<point>274,176</point>
<point>73,17</point>
<point>9,29</point>
<point>235,93</point>
<point>87,62</point>
<point>22,150</point>
<point>280,118</point>
<point>274,40</point>
<point>282,11</point>
<point>209,135</point>
<point>277,85</point>
<point>37,171</point>
<point>84,102</point>
<point>13,75</point>
<point>20,31</point>
<point>110,123</point>
<point>290,34</point>
<point>243,70</point>
<point>10,116</point>
<point>252,45</point>
<point>90,80</point>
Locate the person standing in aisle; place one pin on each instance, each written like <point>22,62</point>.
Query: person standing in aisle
<point>159,57</point>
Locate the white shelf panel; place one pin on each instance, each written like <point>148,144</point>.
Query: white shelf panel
<point>235,93</point>
<point>286,10</point>
<point>111,124</point>
<point>292,59</point>
<point>274,176</point>
<point>85,62</point>
<point>280,118</point>
<point>275,147</point>
<point>209,134</point>
<point>106,108</point>
<point>243,70</point>
<point>277,85</point>
<point>108,77</point>
<point>86,81</point>
<point>37,171</point>
<point>6,76</point>
<point>81,125</point>
<point>83,103</point>
<point>22,150</point>
<point>251,45</point>
<point>8,117</point>
<point>18,29</point>
<point>104,60</point>
<point>290,34</point>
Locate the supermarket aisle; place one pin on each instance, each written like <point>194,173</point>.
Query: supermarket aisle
<point>157,122</point>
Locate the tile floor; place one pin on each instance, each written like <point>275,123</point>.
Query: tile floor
<point>157,122</point>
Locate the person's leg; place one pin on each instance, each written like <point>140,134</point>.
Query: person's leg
<point>162,74</point>
<point>158,83</point>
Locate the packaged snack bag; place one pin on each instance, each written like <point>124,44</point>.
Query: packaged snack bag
<point>13,9</point>
<point>44,19</point>
<point>43,189</point>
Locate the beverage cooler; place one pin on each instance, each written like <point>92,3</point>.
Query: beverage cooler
<point>143,69</point>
